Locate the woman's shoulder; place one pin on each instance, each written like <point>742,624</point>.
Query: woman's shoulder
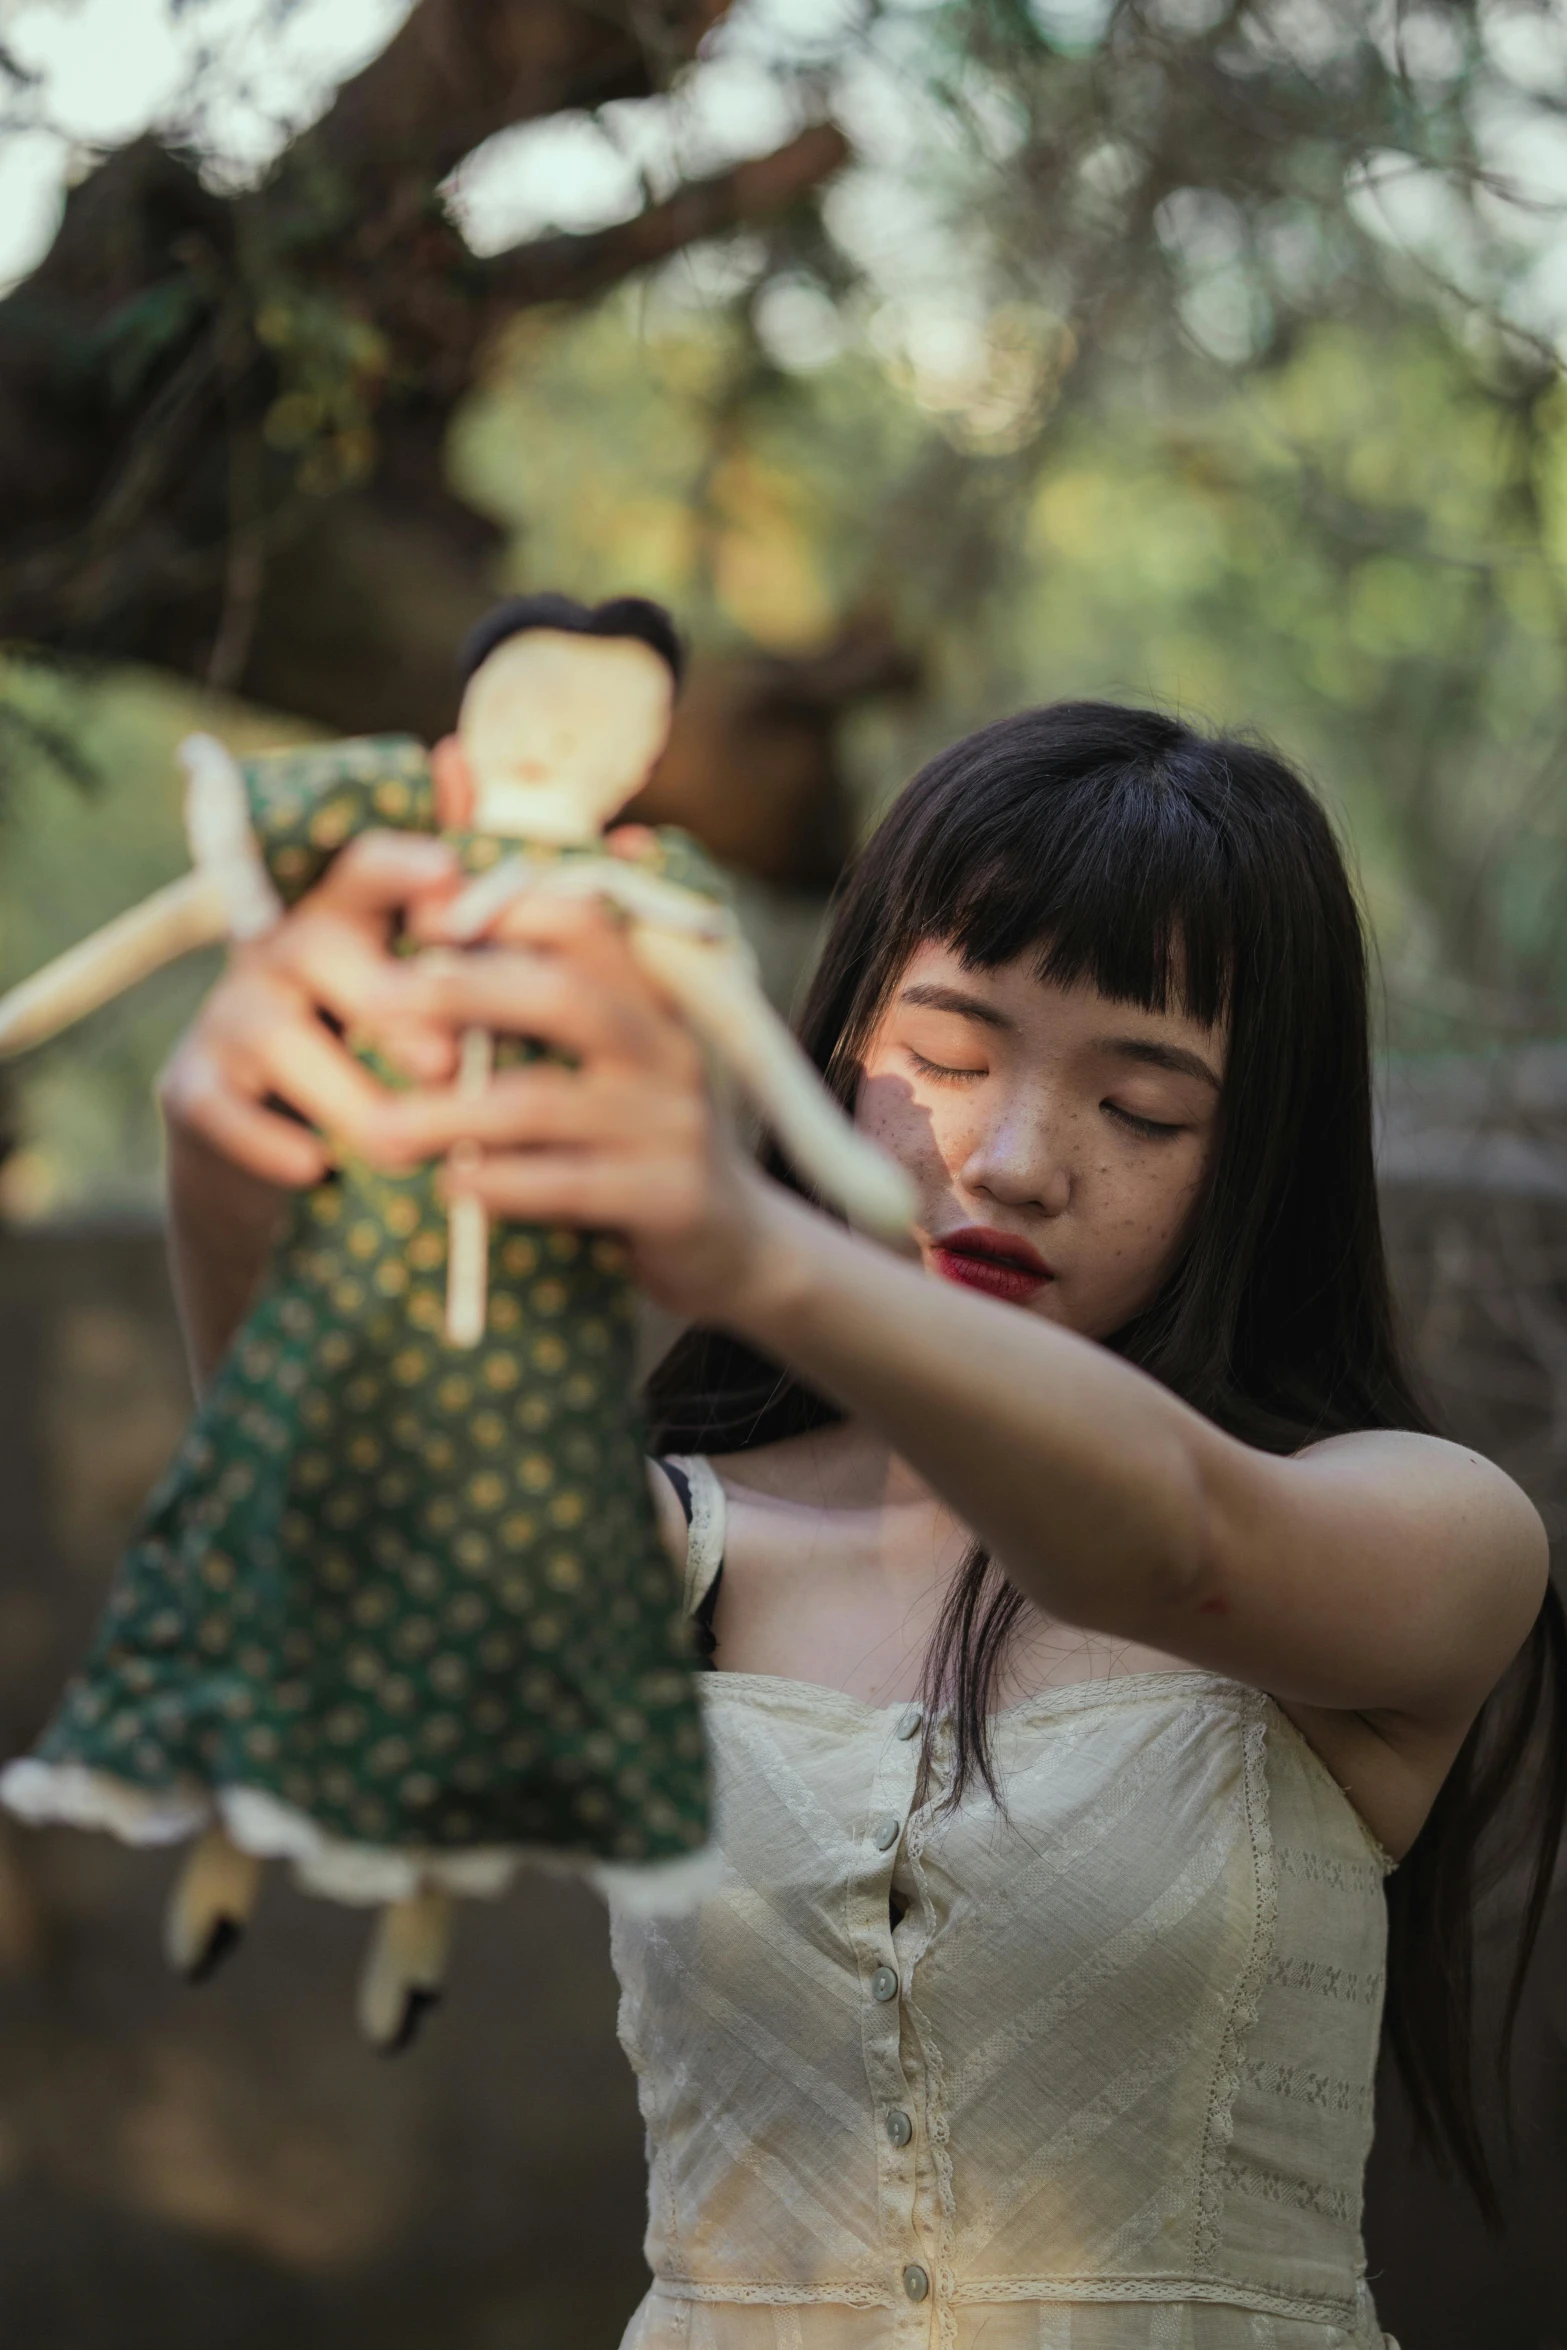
<point>1440,1477</point>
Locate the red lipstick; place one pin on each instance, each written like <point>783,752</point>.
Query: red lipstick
<point>997,1262</point>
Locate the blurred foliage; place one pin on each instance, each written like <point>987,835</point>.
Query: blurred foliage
<point>1197,351</point>
<point>1357,550</point>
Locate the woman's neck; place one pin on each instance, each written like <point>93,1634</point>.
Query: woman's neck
<point>845,1465</point>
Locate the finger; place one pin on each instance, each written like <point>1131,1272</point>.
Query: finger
<point>612,1016</point>
<point>380,873</point>
<point>344,971</point>
<point>259,1140</point>
<point>534,915</point>
<point>544,1105</point>
<point>592,1188</point>
<point>320,1078</point>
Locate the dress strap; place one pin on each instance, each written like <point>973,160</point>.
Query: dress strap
<point>705,1545</point>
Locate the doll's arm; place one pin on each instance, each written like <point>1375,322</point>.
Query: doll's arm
<point>715,986</point>
<point>227,894</point>
<point>174,921</point>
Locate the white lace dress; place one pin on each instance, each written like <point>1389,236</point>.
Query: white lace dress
<point>1105,2085</point>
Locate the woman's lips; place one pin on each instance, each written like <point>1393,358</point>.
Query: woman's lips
<point>996,1262</point>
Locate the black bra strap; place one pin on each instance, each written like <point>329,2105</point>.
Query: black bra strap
<point>681,1483</point>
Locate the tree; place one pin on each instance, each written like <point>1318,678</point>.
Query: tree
<point>222,418</point>
<point>226,420</point>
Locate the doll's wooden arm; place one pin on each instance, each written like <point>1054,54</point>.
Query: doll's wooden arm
<point>715,986</point>
<point>227,895</point>
<point>174,921</point>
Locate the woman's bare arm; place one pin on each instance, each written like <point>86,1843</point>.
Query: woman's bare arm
<point>1375,1572</point>
<point>222,1223</point>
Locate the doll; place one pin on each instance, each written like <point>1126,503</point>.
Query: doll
<point>399,1612</point>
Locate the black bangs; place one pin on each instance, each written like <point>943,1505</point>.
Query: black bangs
<point>1087,832</point>
<point>1123,883</point>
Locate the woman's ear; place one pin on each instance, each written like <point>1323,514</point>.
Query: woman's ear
<point>455,797</point>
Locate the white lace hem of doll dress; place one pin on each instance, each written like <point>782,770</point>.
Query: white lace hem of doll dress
<point>72,1795</point>
<point>1092,2073</point>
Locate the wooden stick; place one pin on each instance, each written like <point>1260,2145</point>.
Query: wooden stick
<point>467,1218</point>
<point>717,990</point>
<point>188,913</point>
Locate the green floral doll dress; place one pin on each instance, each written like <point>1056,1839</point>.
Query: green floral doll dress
<point>399,1611</point>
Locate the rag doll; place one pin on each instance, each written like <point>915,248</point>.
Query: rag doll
<point>399,1612</point>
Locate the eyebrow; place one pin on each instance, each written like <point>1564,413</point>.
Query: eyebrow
<point>957,999</point>
<point>1174,1057</point>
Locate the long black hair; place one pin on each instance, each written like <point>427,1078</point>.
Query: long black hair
<point>1123,848</point>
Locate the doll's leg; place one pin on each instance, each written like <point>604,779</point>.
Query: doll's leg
<point>405,1968</point>
<point>467,1220</point>
<point>210,1906</point>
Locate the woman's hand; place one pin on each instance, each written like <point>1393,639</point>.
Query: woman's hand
<point>260,1038</point>
<point>628,1139</point>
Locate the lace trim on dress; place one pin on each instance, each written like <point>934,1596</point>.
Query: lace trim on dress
<point>1006,2291</point>
<point>71,1795</point>
<point>705,1542</point>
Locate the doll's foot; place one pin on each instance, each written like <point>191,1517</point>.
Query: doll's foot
<point>416,2006</point>
<point>211,1905</point>
<point>404,1969</point>
<point>224,1936</point>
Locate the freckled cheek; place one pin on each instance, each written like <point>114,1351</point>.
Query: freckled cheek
<point>1141,1219</point>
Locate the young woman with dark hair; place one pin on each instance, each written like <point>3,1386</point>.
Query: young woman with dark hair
<point>1113,1673</point>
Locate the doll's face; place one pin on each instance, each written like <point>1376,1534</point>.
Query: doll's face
<point>560,731</point>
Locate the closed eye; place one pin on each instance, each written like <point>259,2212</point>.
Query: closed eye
<point>1155,1129</point>
<point>928,1068</point>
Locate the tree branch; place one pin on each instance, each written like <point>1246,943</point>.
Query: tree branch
<point>570,268</point>
<point>460,70</point>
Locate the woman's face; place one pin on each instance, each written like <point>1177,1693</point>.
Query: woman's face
<point>1060,1141</point>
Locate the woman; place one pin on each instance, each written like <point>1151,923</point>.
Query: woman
<point>1098,1622</point>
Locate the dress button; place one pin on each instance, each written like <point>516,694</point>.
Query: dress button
<point>915,2282</point>
<point>884,1984</point>
<point>886,1831</point>
<point>910,1722</point>
<point>899,2127</point>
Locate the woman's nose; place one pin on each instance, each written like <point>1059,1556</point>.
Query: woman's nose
<point>1019,1162</point>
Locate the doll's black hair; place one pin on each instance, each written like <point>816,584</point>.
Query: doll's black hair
<point>633,616</point>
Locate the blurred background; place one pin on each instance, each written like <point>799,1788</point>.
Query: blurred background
<point>928,357</point>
